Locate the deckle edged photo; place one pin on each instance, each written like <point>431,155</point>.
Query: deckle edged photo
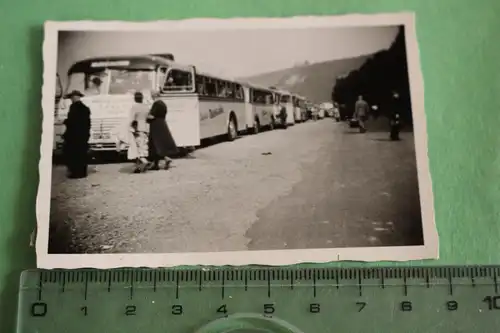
<point>233,141</point>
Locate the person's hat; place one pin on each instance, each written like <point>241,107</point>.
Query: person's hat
<point>74,93</point>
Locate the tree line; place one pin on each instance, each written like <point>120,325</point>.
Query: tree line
<point>382,80</point>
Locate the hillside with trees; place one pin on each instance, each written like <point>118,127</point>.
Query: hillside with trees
<point>312,80</point>
<point>382,77</point>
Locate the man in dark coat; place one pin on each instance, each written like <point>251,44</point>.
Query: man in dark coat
<point>395,127</point>
<point>76,137</point>
<point>161,142</point>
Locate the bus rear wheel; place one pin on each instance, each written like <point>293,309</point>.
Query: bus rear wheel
<point>232,131</point>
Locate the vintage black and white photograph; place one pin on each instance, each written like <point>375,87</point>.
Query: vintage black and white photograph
<point>233,141</point>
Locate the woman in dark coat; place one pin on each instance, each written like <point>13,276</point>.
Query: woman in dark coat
<point>161,142</point>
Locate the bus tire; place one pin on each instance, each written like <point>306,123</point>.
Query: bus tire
<point>232,128</point>
<point>256,126</point>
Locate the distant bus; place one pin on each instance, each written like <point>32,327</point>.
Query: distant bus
<point>199,105</point>
<point>284,100</point>
<point>321,111</point>
<point>328,108</point>
<point>260,108</point>
<point>299,108</point>
<point>220,103</point>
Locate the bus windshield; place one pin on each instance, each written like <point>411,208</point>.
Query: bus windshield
<point>111,81</point>
<point>285,99</point>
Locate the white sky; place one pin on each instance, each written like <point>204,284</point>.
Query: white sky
<point>235,53</point>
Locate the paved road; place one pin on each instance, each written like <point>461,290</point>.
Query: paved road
<point>314,185</point>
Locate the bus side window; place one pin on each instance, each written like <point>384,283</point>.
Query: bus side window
<point>210,87</point>
<point>255,96</point>
<point>200,85</point>
<point>220,88</point>
<point>178,80</point>
<point>239,92</point>
<point>230,91</point>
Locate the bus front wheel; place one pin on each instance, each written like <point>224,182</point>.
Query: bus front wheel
<point>232,132</point>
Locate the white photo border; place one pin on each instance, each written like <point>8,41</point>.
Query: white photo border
<point>430,249</point>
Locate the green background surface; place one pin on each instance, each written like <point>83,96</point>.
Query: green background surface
<point>460,58</point>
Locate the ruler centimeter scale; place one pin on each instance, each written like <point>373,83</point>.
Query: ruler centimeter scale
<point>274,300</point>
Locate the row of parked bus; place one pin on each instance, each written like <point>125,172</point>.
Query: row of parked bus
<point>200,105</point>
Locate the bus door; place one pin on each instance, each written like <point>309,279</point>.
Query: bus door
<point>178,91</point>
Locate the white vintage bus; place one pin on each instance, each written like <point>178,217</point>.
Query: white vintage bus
<point>260,108</point>
<point>283,99</point>
<point>199,106</point>
<point>321,111</point>
<point>299,108</point>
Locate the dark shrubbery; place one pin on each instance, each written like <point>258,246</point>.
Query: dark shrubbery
<point>382,75</point>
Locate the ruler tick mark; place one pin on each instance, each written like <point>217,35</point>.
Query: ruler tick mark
<point>314,284</point>
<point>495,282</point>
<point>382,281</point>
<point>63,285</point>
<point>246,281</point>
<point>268,284</point>
<point>39,296</point>
<point>427,282</point>
<point>200,280</point>
<point>86,288</point>
<point>473,281</point>
<point>223,285</point>
<point>405,286</point>
<point>359,285</point>
<point>177,285</point>
<point>131,287</point>
<point>154,281</point>
<point>450,284</point>
<point>291,280</point>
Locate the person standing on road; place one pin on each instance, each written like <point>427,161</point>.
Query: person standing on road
<point>138,148</point>
<point>76,137</point>
<point>395,127</point>
<point>161,142</point>
<point>360,112</point>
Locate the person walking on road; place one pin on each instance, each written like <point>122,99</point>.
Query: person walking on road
<point>138,149</point>
<point>76,137</point>
<point>360,113</point>
<point>161,142</point>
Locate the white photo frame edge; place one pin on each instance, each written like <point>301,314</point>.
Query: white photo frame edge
<point>430,249</point>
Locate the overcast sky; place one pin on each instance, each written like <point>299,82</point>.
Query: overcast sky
<point>235,53</point>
